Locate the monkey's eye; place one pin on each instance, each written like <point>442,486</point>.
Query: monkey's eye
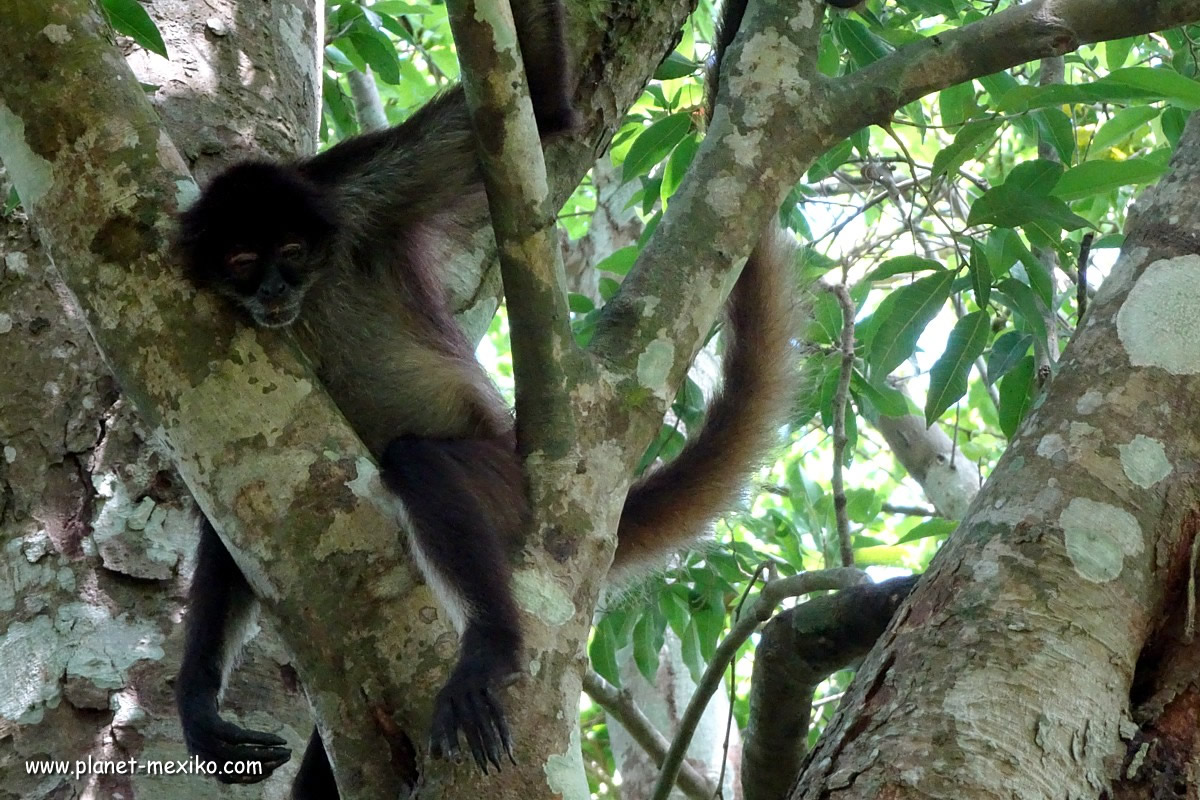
<point>241,262</point>
<point>292,249</point>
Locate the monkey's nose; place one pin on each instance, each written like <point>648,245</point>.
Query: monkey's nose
<point>272,288</point>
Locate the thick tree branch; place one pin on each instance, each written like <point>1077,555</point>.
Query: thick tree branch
<point>523,217</point>
<point>1027,32</point>
<point>101,181</point>
<point>797,650</point>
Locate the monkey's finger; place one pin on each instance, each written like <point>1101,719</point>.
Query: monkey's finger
<point>489,735</point>
<point>235,734</point>
<point>474,728</point>
<point>443,734</point>
<point>501,723</point>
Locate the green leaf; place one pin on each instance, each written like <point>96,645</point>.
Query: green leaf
<point>677,165</point>
<point>824,319</point>
<point>887,401</point>
<point>1007,351</point>
<point>864,47</point>
<point>398,8</point>
<point>1016,396</point>
<point>689,404</point>
<point>948,376</point>
<point>1020,298</point>
<point>863,505</point>
<point>647,642</point>
<point>1116,52</point>
<point>1057,129</point>
<point>710,623</point>
<point>674,605</point>
<point>902,265</point>
<point>607,288</point>
<point>824,166</point>
<point>675,66</point>
<point>337,59</point>
<point>130,18</point>
<point>1036,177</point>
<point>602,651</point>
<point>901,318</point>
<point>651,190</point>
<point>1122,126</point>
<point>580,303</point>
<point>1097,177</point>
<point>1143,84</point>
<point>957,103</point>
<point>11,203</point>
<point>1173,120</point>
<point>690,650</point>
<point>1159,81</point>
<point>377,50</point>
<point>967,144</point>
<point>933,527</point>
<point>338,109</point>
<point>653,144</point>
<point>981,274</point>
<point>619,261</point>
<point>1009,206</point>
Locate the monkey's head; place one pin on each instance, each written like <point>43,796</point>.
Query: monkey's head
<point>261,235</point>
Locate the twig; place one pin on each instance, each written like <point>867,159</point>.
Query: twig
<point>910,511</point>
<point>619,705</point>
<point>840,398</point>
<point>368,108</point>
<point>764,606</point>
<point>1081,284</point>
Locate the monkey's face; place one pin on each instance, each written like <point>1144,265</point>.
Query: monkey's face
<point>269,280</point>
<point>261,235</point>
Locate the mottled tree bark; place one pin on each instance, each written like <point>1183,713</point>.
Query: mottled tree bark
<point>97,527</point>
<point>1052,629</point>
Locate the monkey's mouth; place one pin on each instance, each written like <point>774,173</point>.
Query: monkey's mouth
<point>276,316</point>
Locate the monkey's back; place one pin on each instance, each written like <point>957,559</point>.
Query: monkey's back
<point>393,358</point>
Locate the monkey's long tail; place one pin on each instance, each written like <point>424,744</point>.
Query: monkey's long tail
<point>675,504</point>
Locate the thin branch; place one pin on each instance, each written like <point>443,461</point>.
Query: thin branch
<point>620,706</point>
<point>840,400</point>
<point>763,607</point>
<point>1081,284</point>
<point>910,511</point>
<point>368,108</point>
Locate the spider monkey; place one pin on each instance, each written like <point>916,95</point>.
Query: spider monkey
<point>343,248</point>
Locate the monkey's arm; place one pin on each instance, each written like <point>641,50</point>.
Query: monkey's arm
<point>220,607</point>
<point>464,500</point>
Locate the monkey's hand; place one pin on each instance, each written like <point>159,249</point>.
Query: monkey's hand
<point>468,703</point>
<point>229,748</point>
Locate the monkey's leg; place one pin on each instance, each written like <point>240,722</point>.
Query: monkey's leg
<point>457,542</point>
<point>314,780</point>
<point>220,608</point>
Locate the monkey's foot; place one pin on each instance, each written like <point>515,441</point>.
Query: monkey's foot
<point>466,703</point>
<point>234,750</point>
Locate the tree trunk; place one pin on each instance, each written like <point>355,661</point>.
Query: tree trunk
<point>1044,653</point>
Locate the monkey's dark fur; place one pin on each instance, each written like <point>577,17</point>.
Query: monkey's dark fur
<point>346,248</point>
